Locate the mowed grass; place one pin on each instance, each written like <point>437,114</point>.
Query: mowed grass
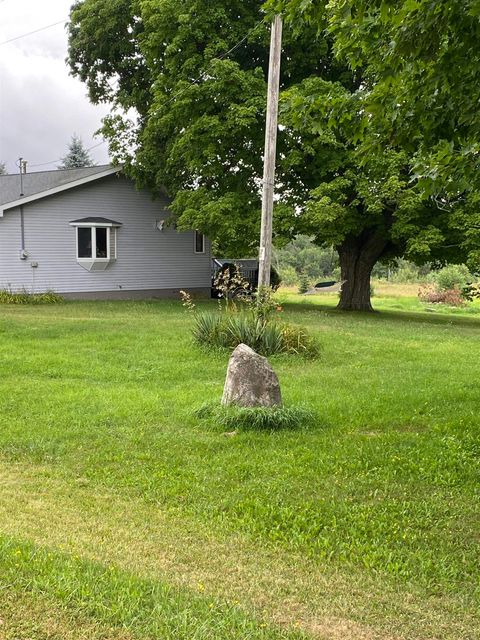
<point>124,514</point>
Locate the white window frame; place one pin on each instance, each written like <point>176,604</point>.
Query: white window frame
<point>94,263</point>
<point>195,234</point>
<point>93,231</point>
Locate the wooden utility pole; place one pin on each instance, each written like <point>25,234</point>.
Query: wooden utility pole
<point>265,255</point>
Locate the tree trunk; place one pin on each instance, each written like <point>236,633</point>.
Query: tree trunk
<point>358,256</point>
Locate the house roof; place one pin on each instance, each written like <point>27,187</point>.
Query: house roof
<point>44,183</point>
<point>95,221</point>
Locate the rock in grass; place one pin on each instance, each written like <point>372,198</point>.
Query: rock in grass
<point>251,381</point>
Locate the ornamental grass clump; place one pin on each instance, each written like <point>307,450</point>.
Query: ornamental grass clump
<point>232,417</point>
<point>251,318</point>
<point>23,297</point>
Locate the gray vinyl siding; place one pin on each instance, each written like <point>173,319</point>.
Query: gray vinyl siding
<point>147,259</point>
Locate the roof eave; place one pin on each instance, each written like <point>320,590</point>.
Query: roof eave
<point>64,187</point>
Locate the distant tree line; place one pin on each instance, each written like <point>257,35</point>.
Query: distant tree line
<point>302,260</point>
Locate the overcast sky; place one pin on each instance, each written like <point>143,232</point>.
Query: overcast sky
<point>41,106</point>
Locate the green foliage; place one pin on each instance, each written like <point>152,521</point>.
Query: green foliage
<point>254,324</point>
<point>263,304</point>
<point>77,156</point>
<point>298,340</point>
<point>200,134</point>
<point>420,70</point>
<point>257,418</point>
<point>267,337</point>
<point>263,337</point>
<point>408,272</point>
<point>289,276</point>
<point>208,329</point>
<point>419,62</point>
<point>301,255</point>
<point>201,140</point>
<point>365,203</point>
<point>23,297</point>
<point>453,276</point>
<point>304,284</point>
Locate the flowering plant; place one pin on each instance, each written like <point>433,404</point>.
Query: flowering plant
<point>232,286</point>
<point>187,301</point>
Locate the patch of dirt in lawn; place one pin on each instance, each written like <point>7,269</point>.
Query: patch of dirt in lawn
<point>275,586</point>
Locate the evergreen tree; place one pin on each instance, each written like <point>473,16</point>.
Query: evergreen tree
<point>304,285</point>
<point>3,169</point>
<point>77,155</point>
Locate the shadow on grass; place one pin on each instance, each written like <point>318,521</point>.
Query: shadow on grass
<point>391,315</point>
<point>400,315</point>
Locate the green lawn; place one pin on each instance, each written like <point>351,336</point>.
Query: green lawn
<point>124,516</point>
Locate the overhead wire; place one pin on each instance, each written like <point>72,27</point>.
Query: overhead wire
<point>176,96</point>
<point>31,33</point>
<point>44,164</point>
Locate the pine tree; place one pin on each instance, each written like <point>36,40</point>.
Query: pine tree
<point>304,284</point>
<point>3,169</point>
<point>77,155</point>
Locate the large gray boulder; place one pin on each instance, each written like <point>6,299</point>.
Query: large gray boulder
<point>251,381</point>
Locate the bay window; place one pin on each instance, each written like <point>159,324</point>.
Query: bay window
<point>96,242</point>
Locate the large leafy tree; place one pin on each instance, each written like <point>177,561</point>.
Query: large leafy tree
<point>421,63</point>
<point>364,204</point>
<point>198,126</point>
<point>423,59</point>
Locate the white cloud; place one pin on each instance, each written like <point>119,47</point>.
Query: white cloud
<point>41,106</point>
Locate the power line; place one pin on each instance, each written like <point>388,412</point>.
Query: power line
<point>30,33</point>
<point>177,95</point>
<point>44,164</point>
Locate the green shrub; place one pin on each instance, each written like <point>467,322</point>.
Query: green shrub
<point>23,297</point>
<point>207,329</point>
<point>267,337</point>
<point>304,283</point>
<point>289,276</point>
<point>407,272</point>
<point>453,276</point>
<point>251,320</point>
<point>275,279</point>
<point>259,418</point>
<point>264,337</point>
<point>297,340</point>
<point>471,292</point>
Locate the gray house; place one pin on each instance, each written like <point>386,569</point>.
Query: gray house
<point>89,233</point>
